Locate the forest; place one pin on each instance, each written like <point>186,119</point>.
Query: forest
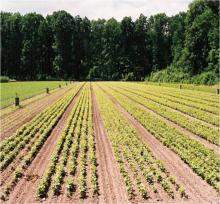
<point>180,48</point>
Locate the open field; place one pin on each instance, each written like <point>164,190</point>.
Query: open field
<point>112,142</point>
<point>25,90</point>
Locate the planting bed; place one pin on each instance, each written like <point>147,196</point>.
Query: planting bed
<point>112,142</point>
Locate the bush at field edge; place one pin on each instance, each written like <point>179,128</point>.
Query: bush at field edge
<point>4,79</point>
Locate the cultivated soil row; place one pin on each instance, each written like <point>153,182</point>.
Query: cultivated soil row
<point>25,190</point>
<point>177,111</point>
<point>111,185</point>
<point>176,126</point>
<point>197,189</point>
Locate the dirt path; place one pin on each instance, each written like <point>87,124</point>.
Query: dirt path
<point>11,122</point>
<point>25,191</point>
<point>178,127</point>
<point>111,185</point>
<point>197,189</point>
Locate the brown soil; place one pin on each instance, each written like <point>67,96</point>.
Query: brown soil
<point>178,127</point>
<point>197,189</point>
<point>111,185</point>
<point>25,191</point>
<point>11,122</point>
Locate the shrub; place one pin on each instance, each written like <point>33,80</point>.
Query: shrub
<point>174,74</point>
<point>207,78</point>
<point>129,77</point>
<point>170,74</point>
<point>4,79</point>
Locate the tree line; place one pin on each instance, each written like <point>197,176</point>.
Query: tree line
<point>61,46</point>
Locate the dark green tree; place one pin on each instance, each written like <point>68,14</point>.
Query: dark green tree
<point>81,46</point>
<point>142,56</point>
<point>47,54</point>
<point>11,44</point>
<point>62,26</point>
<point>200,37</point>
<point>31,49</point>
<point>177,24</point>
<point>127,46</point>
<point>97,49</point>
<point>161,41</point>
<point>184,47</point>
<point>111,51</point>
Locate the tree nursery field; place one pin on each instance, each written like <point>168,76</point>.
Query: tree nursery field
<point>112,142</point>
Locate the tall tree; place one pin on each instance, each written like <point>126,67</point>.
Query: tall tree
<point>31,50</point>
<point>177,24</point>
<point>96,49</point>
<point>47,54</point>
<point>142,51</point>
<point>63,46</point>
<point>201,37</point>
<point>127,45</point>
<point>62,25</point>
<point>11,44</point>
<point>112,33</point>
<point>81,43</point>
<point>161,41</point>
<point>213,36</point>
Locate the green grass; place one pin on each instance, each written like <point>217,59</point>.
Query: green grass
<point>25,90</point>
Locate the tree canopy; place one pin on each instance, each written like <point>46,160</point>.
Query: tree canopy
<point>65,47</point>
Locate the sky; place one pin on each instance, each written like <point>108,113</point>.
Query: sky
<point>95,9</point>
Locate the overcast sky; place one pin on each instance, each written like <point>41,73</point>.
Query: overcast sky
<point>95,9</point>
